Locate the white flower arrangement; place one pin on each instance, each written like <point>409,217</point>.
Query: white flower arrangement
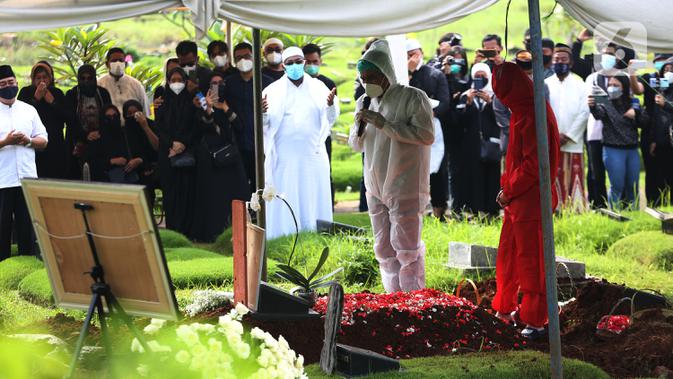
<point>267,194</point>
<point>206,301</point>
<point>224,350</point>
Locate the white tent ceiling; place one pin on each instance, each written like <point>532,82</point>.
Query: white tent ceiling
<point>650,20</point>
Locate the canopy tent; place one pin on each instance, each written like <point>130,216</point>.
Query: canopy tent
<point>355,18</point>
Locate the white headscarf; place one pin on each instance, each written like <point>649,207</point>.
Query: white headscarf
<point>482,67</point>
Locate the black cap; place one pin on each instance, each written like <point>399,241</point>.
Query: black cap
<point>548,43</point>
<point>6,72</point>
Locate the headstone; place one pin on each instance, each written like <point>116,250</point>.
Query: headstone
<point>665,218</point>
<point>613,215</point>
<point>335,305</point>
<point>464,256</point>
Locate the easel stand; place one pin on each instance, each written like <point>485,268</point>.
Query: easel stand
<point>100,290</point>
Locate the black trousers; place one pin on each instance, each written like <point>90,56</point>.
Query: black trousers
<point>250,169</point>
<point>598,193</point>
<point>662,172</point>
<point>439,186</point>
<point>14,213</point>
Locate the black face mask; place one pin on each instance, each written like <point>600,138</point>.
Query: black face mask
<point>8,93</point>
<point>112,120</point>
<point>130,120</point>
<point>546,59</point>
<point>525,65</point>
<point>88,88</point>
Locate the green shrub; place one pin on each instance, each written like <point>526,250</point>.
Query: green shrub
<point>648,248</point>
<point>36,288</point>
<point>14,269</point>
<point>172,239</point>
<point>206,272</point>
<point>188,253</point>
<point>347,173</point>
<point>223,244</point>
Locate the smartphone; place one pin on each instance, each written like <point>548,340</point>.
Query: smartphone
<point>638,64</point>
<point>479,83</point>
<point>215,89</point>
<point>663,83</point>
<point>488,53</point>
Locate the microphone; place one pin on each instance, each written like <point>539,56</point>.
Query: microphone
<point>363,124</point>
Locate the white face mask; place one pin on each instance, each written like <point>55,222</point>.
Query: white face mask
<point>244,65</point>
<point>177,87</point>
<point>117,68</point>
<point>188,69</point>
<point>221,60</point>
<point>668,76</point>
<point>274,58</point>
<point>373,90</point>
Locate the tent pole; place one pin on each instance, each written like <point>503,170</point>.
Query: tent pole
<point>259,128</point>
<point>229,38</point>
<point>545,189</point>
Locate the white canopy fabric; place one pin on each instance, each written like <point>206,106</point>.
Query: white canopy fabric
<point>644,26</point>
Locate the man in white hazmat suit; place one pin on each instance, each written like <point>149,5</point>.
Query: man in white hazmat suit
<point>396,141</point>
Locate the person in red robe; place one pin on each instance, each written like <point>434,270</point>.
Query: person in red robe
<point>520,259</point>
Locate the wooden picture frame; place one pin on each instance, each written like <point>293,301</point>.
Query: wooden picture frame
<point>126,239</point>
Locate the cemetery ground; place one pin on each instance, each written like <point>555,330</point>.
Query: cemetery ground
<point>459,339</point>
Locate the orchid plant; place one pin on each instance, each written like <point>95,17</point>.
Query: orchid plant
<point>305,286</point>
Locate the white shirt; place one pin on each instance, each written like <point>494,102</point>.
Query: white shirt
<point>594,127</point>
<point>16,161</point>
<point>568,99</point>
<point>125,89</point>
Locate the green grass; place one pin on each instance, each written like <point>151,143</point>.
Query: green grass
<point>223,243</point>
<point>652,249</point>
<point>189,253</point>
<point>501,365</point>
<point>172,239</point>
<point>14,269</point>
<point>35,288</point>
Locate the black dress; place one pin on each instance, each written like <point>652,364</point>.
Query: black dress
<point>476,182</point>
<point>80,150</point>
<point>216,186</point>
<point>128,142</point>
<point>176,121</point>
<point>53,161</point>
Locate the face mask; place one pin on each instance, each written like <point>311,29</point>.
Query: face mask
<point>189,68</point>
<point>221,60</point>
<point>312,69</point>
<point>117,68</point>
<point>113,120</point>
<point>295,71</point>
<point>614,92</point>
<point>455,68</point>
<point>373,90</point>
<point>608,61</point>
<point>8,93</point>
<point>274,58</point>
<point>546,59</point>
<point>177,87</point>
<point>88,88</point>
<point>244,65</point>
<point>561,68</point>
<point>525,65</point>
<point>659,65</point>
<point>669,77</point>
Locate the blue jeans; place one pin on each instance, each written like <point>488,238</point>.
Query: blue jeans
<point>623,166</point>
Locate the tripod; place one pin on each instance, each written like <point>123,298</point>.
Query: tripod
<point>100,290</point>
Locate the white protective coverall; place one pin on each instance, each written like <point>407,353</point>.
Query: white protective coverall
<point>396,171</point>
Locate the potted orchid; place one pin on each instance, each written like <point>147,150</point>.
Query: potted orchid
<point>306,286</point>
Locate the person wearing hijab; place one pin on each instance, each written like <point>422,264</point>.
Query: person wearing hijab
<point>219,180</point>
<point>301,111</point>
<point>176,123</point>
<point>135,121</point>
<point>160,91</point>
<point>86,101</point>
<point>660,148</point>
<point>395,132</point>
<point>124,149</point>
<point>52,107</point>
<point>478,174</point>
<point>520,260</point>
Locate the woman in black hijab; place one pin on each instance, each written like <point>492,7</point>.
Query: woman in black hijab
<point>51,105</point>
<point>177,126</point>
<point>221,175</point>
<point>86,101</point>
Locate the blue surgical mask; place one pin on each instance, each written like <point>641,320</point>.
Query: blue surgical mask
<point>614,92</point>
<point>295,71</point>
<point>455,68</point>
<point>561,68</point>
<point>658,65</point>
<point>312,69</point>
<point>608,61</point>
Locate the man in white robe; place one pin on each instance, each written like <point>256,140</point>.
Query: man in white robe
<point>122,87</point>
<point>396,141</point>
<point>297,122</point>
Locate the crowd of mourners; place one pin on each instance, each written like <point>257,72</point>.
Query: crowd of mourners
<point>195,140</point>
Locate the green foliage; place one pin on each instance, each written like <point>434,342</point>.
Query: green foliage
<point>27,360</point>
<point>15,312</point>
<point>206,272</point>
<point>14,269</point>
<point>36,288</point>
<point>243,33</point>
<point>223,244</point>
<point>150,77</point>
<point>308,283</point>
<point>347,172</point>
<point>172,239</point>
<point>188,253</point>
<point>652,249</point>
<point>69,48</point>
<point>492,365</point>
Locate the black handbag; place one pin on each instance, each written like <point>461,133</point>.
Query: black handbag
<point>183,160</point>
<point>118,175</point>
<point>490,151</point>
<point>225,156</point>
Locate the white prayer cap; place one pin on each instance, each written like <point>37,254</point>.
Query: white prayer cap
<point>272,41</point>
<point>413,44</point>
<point>434,103</point>
<point>291,52</point>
